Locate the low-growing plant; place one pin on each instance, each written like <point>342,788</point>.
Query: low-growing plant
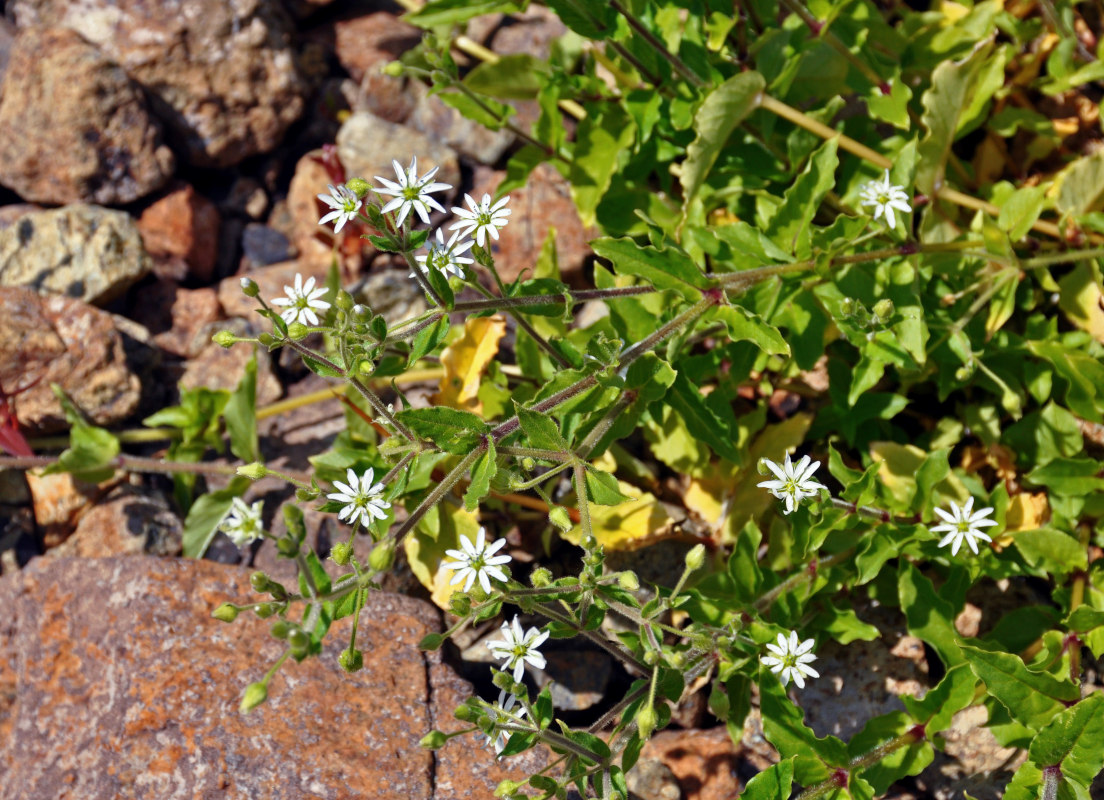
<point>774,192</point>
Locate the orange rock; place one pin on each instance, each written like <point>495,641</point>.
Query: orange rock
<point>706,763</point>
<point>183,225</point>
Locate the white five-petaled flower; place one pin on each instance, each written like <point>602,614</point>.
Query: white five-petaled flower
<point>361,497</point>
<point>504,713</point>
<point>477,561</point>
<point>447,258</point>
<point>517,648</point>
<point>302,301</point>
<point>479,219</point>
<point>795,482</point>
<point>961,525</point>
<point>411,192</point>
<point>885,197</point>
<point>344,204</point>
<point>242,522</point>
<point>790,659</point>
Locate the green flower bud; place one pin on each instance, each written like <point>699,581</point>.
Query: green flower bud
<point>651,657</point>
<point>628,581</point>
<point>393,69</point>
<point>677,659</point>
<point>541,577</point>
<point>280,629</point>
<point>259,581</point>
<point>287,547</point>
<point>224,339</point>
<point>358,186</point>
<point>382,556</point>
<point>297,331</point>
<point>696,557</point>
<point>434,740</point>
<point>884,309</point>
<point>254,695</point>
<point>227,612</point>
<point>249,287</point>
<point>504,787</point>
<point>460,604</point>
<point>277,590</point>
<point>646,720</point>
<point>254,471</point>
<point>344,300</point>
<point>559,517</point>
<point>265,610</point>
<point>464,713</point>
<point>351,660</point>
<point>341,552</point>
<point>306,495</point>
<point>528,464</point>
<point>362,313</point>
<point>366,367</point>
<point>266,339</point>
<point>298,642</point>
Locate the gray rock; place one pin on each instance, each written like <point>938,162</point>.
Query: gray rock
<point>445,124</point>
<point>262,245</point>
<point>80,251</point>
<point>222,74</point>
<point>74,127</point>
<point>368,144</point>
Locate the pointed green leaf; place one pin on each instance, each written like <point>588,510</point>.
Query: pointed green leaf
<point>602,136</point>
<point>482,472</point>
<point>745,325</point>
<point>452,430</point>
<point>1032,698</point>
<point>928,615</point>
<point>665,269</point>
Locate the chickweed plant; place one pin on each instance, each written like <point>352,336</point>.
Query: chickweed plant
<point>864,384</point>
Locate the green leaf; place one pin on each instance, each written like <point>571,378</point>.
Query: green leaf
<point>1021,209</point>
<point>541,430</point>
<point>937,708</point>
<point>1073,477</point>
<point>1032,698</point>
<point>602,488</point>
<point>928,615</point>
<point>784,726</point>
<point>665,269</point>
<point>482,472</point>
<point>702,422</point>
<point>457,12</point>
<point>773,783</point>
<point>426,340</point>
<point>1084,619</point>
<point>591,19</point>
<point>452,430</point>
<point>844,625</point>
<point>789,227</point>
<point>1074,741</point>
<point>91,450</point>
<point>602,135</point>
<point>745,325</point>
<point>517,76</point>
<point>240,414</point>
<point>719,115</point>
<point>908,760</point>
<point>892,107</point>
<point>206,513</point>
<point>1056,552</point>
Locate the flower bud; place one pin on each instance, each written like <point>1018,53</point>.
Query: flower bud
<point>884,309</point>
<point>280,629</point>
<point>344,300</point>
<point>464,713</point>
<point>266,339</point>
<point>646,720</point>
<point>287,547</point>
<point>559,517</point>
<point>227,612</point>
<point>382,556</point>
<point>259,581</point>
<point>528,464</point>
<point>696,557</point>
<point>304,495</point>
<point>351,660</point>
<point>265,610</point>
<point>254,695</point>
<point>504,787</point>
<point>254,471</point>
<point>358,186</point>
<point>224,339</point>
<point>340,553</point>
<point>297,331</point>
<point>460,604</point>
<point>651,657</point>
<point>393,69</point>
<point>362,313</point>
<point>249,287</point>
<point>540,577</point>
<point>434,740</point>
<point>298,642</point>
<point>628,581</point>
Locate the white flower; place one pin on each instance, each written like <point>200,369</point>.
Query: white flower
<point>963,526</point>
<point>302,300</point>
<point>504,713</point>
<point>483,218</point>
<point>411,192</point>
<point>885,197</point>
<point>791,659</point>
<point>477,561</point>
<point>242,523</point>
<point>345,205</point>
<point>794,483</point>
<point>361,498</point>
<point>517,647</point>
<point>447,258</point>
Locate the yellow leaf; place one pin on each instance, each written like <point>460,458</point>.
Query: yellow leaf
<point>466,359</point>
<point>1027,512</point>
<point>1082,298</point>
<point>899,463</point>
<point>627,526</point>
<point>425,553</point>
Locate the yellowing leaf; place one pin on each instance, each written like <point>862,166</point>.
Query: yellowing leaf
<point>1026,512</point>
<point>899,463</point>
<point>627,526</point>
<point>1082,298</point>
<point>465,361</point>
<point>425,553</point>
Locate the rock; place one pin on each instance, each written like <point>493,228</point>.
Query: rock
<point>271,280</point>
<point>126,522</point>
<point>363,43</point>
<point>58,501</point>
<point>7,38</point>
<point>80,251</point>
<point>314,242</point>
<point>651,779</point>
<point>11,214</point>
<point>218,367</point>
<point>445,124</point>
<point>532,31</point>
<point>183,225</point>
<point>262,246</point>
<point>972,760</point>
<point>579,678</point>
<point>544,202</point>
<point>246,196</point>
<point>178,319</point>
<point>92,140</point>
<point>63,341</point>
<point>222,75</point>
<point>368,144</point>
<point>706,764</point>
<point>120,659</point>
<point>393,295</point>
<point>390,98</point>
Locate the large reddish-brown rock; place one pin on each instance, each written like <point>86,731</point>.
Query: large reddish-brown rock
<point>365,42</point>
<point>74,127</point>
<point>115,682</point>
<point>222,75</point>
<point>181,321</point>
<point>183,225</point>
<point>67,342</point>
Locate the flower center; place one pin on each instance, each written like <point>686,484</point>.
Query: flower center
<point>349,205</point>
<point>963,526</point>
<point>483,218</point>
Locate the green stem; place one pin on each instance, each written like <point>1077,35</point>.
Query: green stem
<point>523,323</point>
<point>439,491</point>
<point>416,270</point>
<point>128,463</point>
<point>566,298</point>
<point>533,452</point>
<point>807,573</point>
<point>873,513</point>
<point>657,45</point>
